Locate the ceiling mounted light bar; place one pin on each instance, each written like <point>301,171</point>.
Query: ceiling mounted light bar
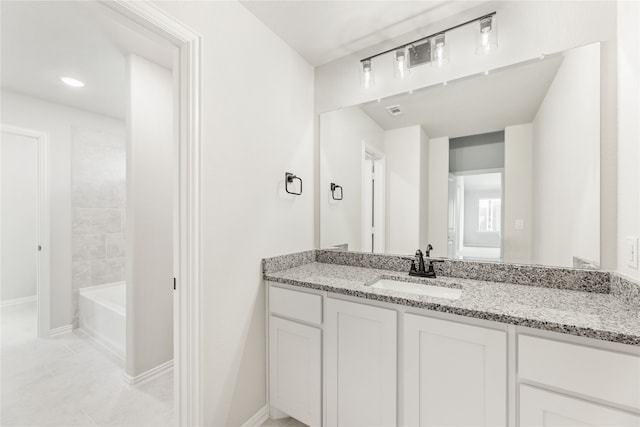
<point>432,48</point>
<point>487,36</point>
<point>366,75</point>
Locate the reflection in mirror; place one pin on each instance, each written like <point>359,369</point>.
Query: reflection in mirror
<point>503,166</point>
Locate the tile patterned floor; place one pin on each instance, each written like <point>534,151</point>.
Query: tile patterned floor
<point>70,381</point>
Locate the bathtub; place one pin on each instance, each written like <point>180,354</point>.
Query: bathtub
<point>103,315</point>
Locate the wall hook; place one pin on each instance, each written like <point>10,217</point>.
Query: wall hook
<point>288,179</point>
<point>334,187</point>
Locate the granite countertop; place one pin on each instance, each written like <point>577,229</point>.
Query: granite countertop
<point>588,314</point>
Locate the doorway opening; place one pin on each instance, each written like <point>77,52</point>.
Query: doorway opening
<point>25,223</point>
<point>476,215</point>
<point>184,283</point>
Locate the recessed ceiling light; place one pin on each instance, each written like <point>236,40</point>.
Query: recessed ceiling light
<point>70,81</point>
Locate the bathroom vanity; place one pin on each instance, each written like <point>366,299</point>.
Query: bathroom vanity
<point>523,346</point>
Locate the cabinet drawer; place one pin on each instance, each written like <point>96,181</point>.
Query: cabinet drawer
<point>541,408</point>
<point>598,373</point>
<point>296,305</point>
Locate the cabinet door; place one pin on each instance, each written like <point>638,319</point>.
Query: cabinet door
<point>541,408</point>
<point>361,345</point>
<point>454,374</point>
<point>295,369</point>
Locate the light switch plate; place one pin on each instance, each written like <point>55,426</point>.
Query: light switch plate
<point>631,252</point>
<point>519,224</point>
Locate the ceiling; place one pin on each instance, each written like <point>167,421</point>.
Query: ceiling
<point>42,40</point>
<point>474,105</point>
<point>322,31</point>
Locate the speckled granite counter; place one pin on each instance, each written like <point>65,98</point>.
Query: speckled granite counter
<point>590,314</point>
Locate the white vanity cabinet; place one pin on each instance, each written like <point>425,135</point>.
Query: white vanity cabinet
<point>361,379</point>
<point>295,354</point>
<point>346,361</point>
<point>570,384</point>
<point>542,408</point>
<point>455,374</point>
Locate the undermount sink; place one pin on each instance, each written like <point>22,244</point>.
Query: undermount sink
<point>417,288</point>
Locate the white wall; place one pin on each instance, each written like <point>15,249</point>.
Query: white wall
<point>438,195</point>
<point>403,148</point>
<point>628,129</point>
<point>566,163</point>
<point>526,29</point>
<point>58,122</point>
<point>19,156</point>
<point>257,123</point>
<point>150,175</point>
<point>518,189</point>
<point>343,132</point>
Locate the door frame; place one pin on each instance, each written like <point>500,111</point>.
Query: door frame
<point>187,249</point>
<point>460,216</point>
<point>379,202</point>
<point>43,215</point>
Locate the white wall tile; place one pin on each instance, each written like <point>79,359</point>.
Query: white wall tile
<point>98,206</point>
<point>106,271</point>
<point>87,247</point>
<point>115,245</point>
<point>81,274</point>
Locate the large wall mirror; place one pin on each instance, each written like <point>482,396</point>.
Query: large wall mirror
<point>501,166</point>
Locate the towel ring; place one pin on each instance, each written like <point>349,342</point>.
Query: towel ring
<point>288,179</point>
<point>335,187</point>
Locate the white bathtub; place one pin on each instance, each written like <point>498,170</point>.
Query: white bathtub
<point>103,315</point>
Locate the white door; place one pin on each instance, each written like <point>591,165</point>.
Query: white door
<point>19,216</point>
<point>368,233</point>
<point>25,221</point>
<point>373,209</point>
<point>295,368</point>
<point>452,226</point>
<point>361,368</point>
<point>454,374</point>
<point>541,408</point>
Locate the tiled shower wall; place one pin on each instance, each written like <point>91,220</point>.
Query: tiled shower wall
<point>98,180</point>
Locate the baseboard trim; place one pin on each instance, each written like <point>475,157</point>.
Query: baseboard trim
<point>150,374</point>
<point>60,330</point>
<point>16,301</point>
<point>258,418</point>
<point>100,342</point>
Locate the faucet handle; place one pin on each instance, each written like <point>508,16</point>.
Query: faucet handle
<point>420,258</point>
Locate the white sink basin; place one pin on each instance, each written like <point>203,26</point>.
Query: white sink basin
<point>418,289</point>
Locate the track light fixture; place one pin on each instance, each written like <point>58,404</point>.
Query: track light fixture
<point>400,66</point>
<point>487,36</point>
<point>439,50</point>
<point>366,74</point>
<point>433,48</point>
